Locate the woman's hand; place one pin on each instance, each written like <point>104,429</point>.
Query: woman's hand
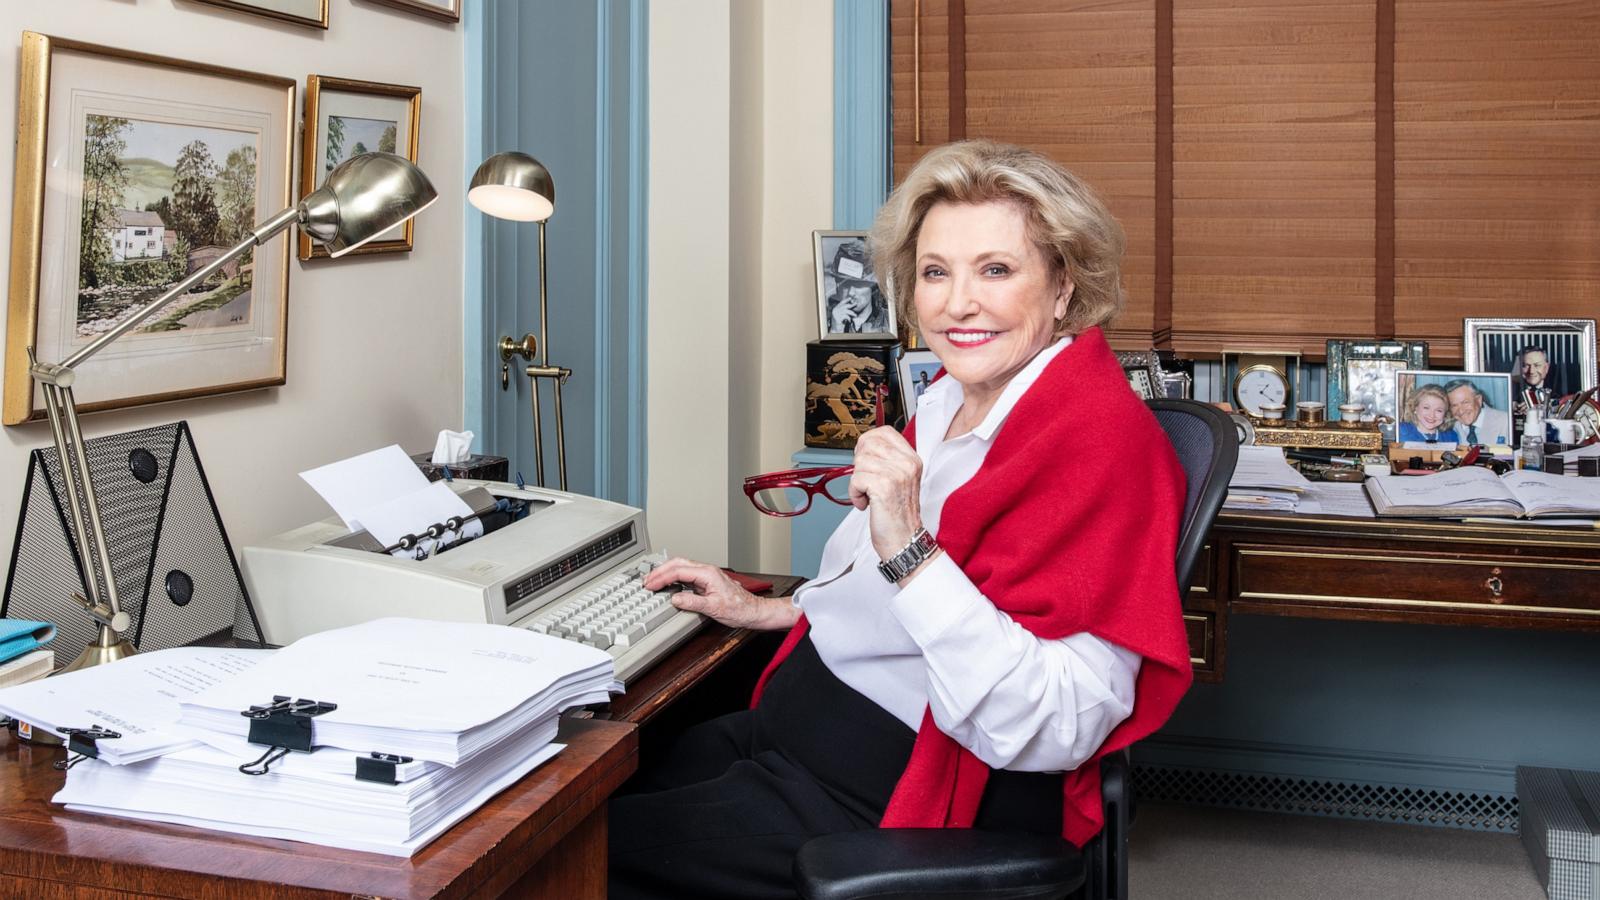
<point>888,484</point>
<point>712,593</point>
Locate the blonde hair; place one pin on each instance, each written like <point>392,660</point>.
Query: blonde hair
<point>1415,400</point>
<point>1066,220</point>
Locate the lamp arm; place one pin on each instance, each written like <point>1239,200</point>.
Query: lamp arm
<point>261,234</point>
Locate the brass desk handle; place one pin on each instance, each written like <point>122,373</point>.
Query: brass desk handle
<point>1494,584</point>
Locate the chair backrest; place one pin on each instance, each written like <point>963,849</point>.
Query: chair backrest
<point>1208,448</point>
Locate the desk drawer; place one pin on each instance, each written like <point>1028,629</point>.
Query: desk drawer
<point>1460,584</point>
<point>1201,630</point>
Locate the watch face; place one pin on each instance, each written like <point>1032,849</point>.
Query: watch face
<point>1258,386</point>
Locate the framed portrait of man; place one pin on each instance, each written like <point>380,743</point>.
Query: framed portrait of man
<point>850,304</point>
<point>1546,358</point>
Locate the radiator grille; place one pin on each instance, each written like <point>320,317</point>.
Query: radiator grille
<point>1340,799</point>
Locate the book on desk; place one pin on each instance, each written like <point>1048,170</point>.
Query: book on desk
<point>1476,491</point>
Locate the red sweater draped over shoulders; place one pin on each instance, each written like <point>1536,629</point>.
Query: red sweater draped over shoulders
<point>1069,525</point>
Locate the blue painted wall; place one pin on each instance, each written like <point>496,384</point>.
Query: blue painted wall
<point>563,82</point>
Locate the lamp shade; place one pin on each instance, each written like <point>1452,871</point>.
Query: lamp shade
<point>363,197</point>
<point>514,186</point>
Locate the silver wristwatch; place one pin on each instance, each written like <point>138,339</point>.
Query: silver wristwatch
<point>900,565</point>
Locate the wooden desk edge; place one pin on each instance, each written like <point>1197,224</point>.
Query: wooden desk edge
<point>283,868</point>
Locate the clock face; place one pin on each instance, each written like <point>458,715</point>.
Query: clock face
<point>1259,386</point>
<point>1588,416</point>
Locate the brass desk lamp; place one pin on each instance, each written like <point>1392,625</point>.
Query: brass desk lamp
<point>362,197</point>
<point>517,187</point>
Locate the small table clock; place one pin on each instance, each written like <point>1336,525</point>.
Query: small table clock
<point>1261,380</point>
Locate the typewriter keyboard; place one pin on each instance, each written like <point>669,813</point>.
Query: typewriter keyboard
<point>620,616</point>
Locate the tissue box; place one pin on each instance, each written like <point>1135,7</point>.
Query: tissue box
<point>1560,825</point>
<point>478,466</point>
<point>842,381</point>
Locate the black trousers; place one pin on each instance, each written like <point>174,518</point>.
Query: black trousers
<point>723,813</point>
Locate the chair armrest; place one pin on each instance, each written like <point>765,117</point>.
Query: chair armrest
<point>950,863</point>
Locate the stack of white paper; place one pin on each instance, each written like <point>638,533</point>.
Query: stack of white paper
<point>311,797</point>
<point>137,698</point>
<point>473,707</point>
<point>1264,480</point>
<point>438,691</point>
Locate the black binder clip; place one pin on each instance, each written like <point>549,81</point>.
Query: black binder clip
<point>82,742</point>
<point>379,767</point>
<point>282,725</point>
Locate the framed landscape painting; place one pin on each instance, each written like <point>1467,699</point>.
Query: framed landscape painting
<point>351,118</point>
<point>119,195</point>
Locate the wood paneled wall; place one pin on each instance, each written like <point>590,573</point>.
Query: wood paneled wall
<point>1293,170</point>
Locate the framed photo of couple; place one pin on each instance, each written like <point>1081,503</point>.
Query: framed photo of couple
<point>1453,408</point>
<point>850,303</point>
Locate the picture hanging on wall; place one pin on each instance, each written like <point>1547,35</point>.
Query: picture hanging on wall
<point>448,10</point>
<point>351,118</point>
<point>300,12</point>
<point>145,187</point>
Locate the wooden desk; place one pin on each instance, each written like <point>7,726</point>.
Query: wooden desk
<point>543,836</point>
<point>1389,570</point>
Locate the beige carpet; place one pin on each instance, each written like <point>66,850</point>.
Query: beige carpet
<point>1199,853</point>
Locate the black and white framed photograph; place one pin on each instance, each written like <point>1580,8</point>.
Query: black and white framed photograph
<point>850,304</point>
<point>1453,408</point>
<point>917,368</point>
<point>1546,358</point>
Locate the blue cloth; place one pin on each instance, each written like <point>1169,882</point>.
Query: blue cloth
<point>18,636</point>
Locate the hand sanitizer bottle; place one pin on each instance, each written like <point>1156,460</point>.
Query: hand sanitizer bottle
<point>1533,441</point>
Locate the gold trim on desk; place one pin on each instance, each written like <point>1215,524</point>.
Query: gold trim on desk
<point>1487,608</point>
<point>1443,531</point>
<point>1429,560</point>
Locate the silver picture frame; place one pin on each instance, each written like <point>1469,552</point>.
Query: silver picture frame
<point>1499,345</point>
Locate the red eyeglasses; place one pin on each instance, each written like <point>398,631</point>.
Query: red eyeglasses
<point>788,493</point>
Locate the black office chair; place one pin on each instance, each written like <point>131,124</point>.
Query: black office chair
<point>952,863</point>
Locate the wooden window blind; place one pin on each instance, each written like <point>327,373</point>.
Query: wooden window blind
<point>1497,164</point>
<point>1293,170</point>
<point>1272,181</point>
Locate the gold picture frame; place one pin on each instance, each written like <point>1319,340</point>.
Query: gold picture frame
<point>319,19</point>
<point>390,115</point>
<point>446,10</point>
<point>230,134</point>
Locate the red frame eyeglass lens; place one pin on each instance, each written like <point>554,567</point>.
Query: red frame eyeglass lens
<point>789,493</point>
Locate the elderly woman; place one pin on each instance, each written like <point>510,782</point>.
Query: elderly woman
<point>1000,608</point>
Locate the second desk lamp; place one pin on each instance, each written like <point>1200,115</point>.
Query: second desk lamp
<point>517,187</point>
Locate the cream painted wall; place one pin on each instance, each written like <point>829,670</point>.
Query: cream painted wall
<point>687,422</point>
<point>797,198</point>
<point>741,135</point>
<point>375,342</point>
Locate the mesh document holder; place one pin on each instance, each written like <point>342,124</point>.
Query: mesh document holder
<point>174,567</point>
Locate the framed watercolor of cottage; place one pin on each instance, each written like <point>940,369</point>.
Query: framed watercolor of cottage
<point>121,193</point>
<point>351,118</point>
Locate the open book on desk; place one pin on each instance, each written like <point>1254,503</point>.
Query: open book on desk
<point>1476,491</point>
